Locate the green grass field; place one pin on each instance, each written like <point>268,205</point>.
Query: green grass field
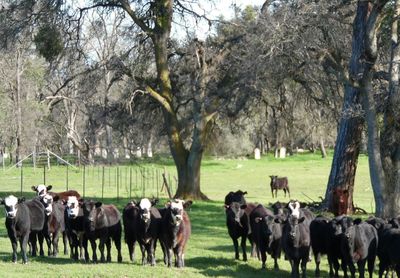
<point>210,250</point>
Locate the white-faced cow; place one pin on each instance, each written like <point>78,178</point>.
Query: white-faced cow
<point>22,219</point>
<point>102,222</point>
<point>175,231</point>
<point>54,224</point>
<point>148,229</point>
<point>74,226</point>
<point>42,190</point>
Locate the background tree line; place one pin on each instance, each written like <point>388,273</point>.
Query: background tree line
<point>109,77</point>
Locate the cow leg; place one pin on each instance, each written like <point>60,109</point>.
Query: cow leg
<point>272,191</point>
<point>108,244</point>
<point>48,242</point>
<point>65,242</point>
<point>23,243</point>
<point>243,245</point>
<point>236,245</point>
<point>254,250</point>
<point>170,253</point>
<point>101,248</point>
<point>117,242</point>
<point>56,236</point>
<point>263,258</point>
<point>304,267</point>
<point>317,258</point>
<point>84,243</point>
<point>152,252</point>
<point>371,264</point>
<point>295,268</point>
<point>352,269</point>
<point>94,249</point>
<point>382,267</point>
<point>361,268</point>
<point>32,240</point>
<point>179,256</point>
<point>143,250</point>
<point>344,268</point>
<point>333,266</point>
<point>397,268</point>
<point>41,239</point>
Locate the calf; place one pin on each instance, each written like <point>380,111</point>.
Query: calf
<point>340,201</point>
<point>42,190</point>
<point>279,183</point>
<point>266,233</point>
<point>130,216</point>
<point>175,231</point>
<point>22,218</point>
<point>74,226</point>
<point>102,222</point>
<point>359,245</point>
<point>320,236</point>
<point>54,224</point>
<point>148,229</point>
<point>237,220</point>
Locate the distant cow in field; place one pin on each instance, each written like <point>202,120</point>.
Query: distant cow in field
<point>130,216</point>
<point>279,183</point>
<point>266,233</point>
<point>22,219</point>
<point>42,190</point>
<point>340,201</point>
<point>102,222</point>
<point>54,224</point>
<point>238,222</point>
<point>175,231</point>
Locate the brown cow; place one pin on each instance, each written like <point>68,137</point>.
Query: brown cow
<point>340,201</point>
<point>279,183</point>
<point>42,190</point>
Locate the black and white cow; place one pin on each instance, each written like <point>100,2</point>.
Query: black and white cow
<point>148,229</point>
<point>23,218</point>
<point>54,224</point>
<point>175,231</point>
<point>74,226</point>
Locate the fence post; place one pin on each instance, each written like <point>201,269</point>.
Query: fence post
<point>157,173</point>
<point>67,176</point>
<point>44,174</point>
<point>117,184</point>
<point>22,178</point>
<point>130,183</point>
<point>102,186</point>
<point>84,180</point>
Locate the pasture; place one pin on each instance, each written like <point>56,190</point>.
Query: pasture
<point>210,250</point>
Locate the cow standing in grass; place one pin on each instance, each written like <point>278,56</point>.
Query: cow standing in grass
<point>102,222</point>
<point>23,218</point>
<point>238,222</point>
<point>130,216</point>
<point>74,226</point>
<point>279,184</point>
<point>175,231</point>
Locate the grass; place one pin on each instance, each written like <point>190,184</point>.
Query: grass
<point>210,250</point>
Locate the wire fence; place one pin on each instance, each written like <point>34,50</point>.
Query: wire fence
<point>129,182</point>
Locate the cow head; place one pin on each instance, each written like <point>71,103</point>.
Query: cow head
<point>91,211</point>
<point>340,200</point>
<point>273,180</point>
<point>293,228</point>
<point>47,202</point>
<point>145,209</point>
<point>73,206</point>
<point>340,224</point>
<point>41,189</point>
<point>237,196</point>
<point>175,208</point>
<point>267,223</point>
<point>11,205</point>
<point>237,209</point>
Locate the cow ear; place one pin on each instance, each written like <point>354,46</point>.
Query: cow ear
<point>21,200</point>
<point>278,220</point>
<point>1,201</point>
<point>34,187</point>
<point>187,204</point>
<point>258,219</point>
<point>154,201</point>
<point>243,206</point>
<point>80,202</point>
<point>56,198</point>
<point>226,206</point>
<point>98,204</point>
<point>64,202</point>
<point>244,193</point>
<point>301,219</point>
<point>49,187</point>
<point>357,221</point>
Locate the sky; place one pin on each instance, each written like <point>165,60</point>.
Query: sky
<point>213,11</point>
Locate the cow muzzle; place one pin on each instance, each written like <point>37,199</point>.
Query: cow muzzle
<point>11,214</point>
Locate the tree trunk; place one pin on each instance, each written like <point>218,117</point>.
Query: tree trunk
<point>322,144</point>
<point>390,145</point>
<point>110,155</point>
<point>344,164</point>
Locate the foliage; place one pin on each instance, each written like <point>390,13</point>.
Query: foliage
<point>49,42</point>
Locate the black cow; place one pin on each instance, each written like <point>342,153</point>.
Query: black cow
<point>131,217</point>
<point>359,245</point>
<point>148,229</point>
<point>296,243</point>
<point>54,224</point>
<point>74,226</point>
<point>23,218</point>
<point>102,222</point>
<point>238,222</point>
<point>175,231</point>
<point>279,183</point>
<point>320,234</point>
<point>266,233</point>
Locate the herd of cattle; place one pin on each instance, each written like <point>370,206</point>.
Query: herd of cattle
<point>79,221</point>
<point>295,230</point>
